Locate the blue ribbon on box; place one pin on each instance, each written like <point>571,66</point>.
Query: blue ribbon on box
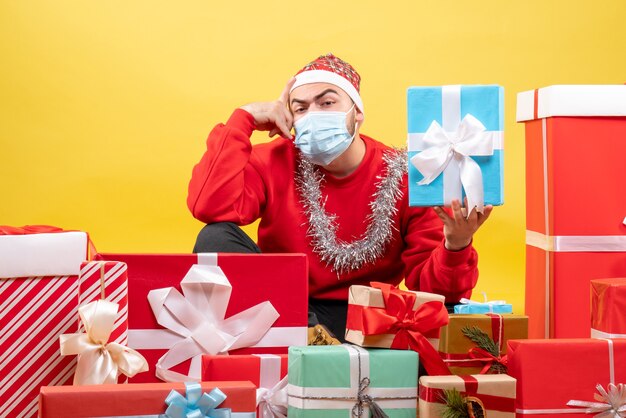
<point>471,307</point>
<point>455,145</point>
<point>195,404</point>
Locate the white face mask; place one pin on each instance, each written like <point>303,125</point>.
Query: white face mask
<point>323,136</point>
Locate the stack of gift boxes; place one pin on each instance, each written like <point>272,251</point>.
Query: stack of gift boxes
<point>575,239</point>
<point>225,335</point>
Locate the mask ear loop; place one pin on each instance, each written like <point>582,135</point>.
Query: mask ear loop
<point>356,122</point>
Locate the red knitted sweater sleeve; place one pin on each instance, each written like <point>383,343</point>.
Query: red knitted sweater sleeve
<point>224,186</point>
<point>429,266</point>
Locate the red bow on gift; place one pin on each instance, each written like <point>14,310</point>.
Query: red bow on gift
<point>486,357</point>
<point>28,229</point>
<point>408,325</point>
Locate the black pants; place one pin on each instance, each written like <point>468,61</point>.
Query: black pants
<point>226,237</point>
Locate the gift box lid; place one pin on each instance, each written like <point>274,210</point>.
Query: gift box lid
<point>512,326</point>
<point>448,105</point>
<point>42,251</point>
<point>571,100</point>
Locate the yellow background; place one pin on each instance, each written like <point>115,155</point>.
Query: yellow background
<point>105,105</point>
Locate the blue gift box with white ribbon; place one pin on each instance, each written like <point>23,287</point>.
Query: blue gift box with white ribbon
<point>467,306</point>
<point>455,145</point>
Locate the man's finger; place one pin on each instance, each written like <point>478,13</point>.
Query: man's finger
<point>456,210</point>
<point>281,124</point>
<point>445,218</point>
<point>288,121</point>
<point>288,118</point>
<point>284,96</point>
<point>473,216</point>
<point>468,211</point>
<point>485,215</point>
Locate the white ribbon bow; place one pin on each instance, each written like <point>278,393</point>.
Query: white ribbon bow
<point>466,301</point>
<point>456,147</point>
<point>611,404</point>
<point>198,319</point>
<point>273,402</point>
<point>100,362</point>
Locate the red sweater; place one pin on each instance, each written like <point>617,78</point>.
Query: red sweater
<point>237,182</point>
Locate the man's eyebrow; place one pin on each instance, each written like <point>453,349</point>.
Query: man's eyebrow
<point>322,94</point>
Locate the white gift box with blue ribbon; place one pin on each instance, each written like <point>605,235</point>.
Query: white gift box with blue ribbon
<point>455,145</point>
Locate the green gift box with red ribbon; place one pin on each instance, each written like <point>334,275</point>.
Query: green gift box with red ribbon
<point>386,317</point>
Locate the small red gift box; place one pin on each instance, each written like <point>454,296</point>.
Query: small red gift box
<point>253,279</point>
<point>608,308</point>
<point>266,371</point>
<point>551,373</point>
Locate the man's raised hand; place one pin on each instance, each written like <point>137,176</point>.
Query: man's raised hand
<point>275,116</point>
<point>459,228</point>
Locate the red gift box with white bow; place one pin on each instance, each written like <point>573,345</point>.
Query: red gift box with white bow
<point>561,376</point>
<point>183,306</point>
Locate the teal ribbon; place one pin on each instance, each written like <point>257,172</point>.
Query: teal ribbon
<point>196,404</point>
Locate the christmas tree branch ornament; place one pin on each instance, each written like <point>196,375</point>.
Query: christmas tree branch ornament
<point>458,406</point>
<point>487,351</point>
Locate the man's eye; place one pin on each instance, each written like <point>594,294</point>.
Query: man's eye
<point>328,103</point>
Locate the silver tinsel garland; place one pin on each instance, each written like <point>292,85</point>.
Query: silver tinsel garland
<point>347,256</point>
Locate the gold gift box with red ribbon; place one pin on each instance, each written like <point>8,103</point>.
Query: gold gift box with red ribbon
<point>463,356</point>
<point>387,317</point>
<point>492,395</point>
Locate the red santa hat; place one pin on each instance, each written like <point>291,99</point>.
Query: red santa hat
<point>330,69</point>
